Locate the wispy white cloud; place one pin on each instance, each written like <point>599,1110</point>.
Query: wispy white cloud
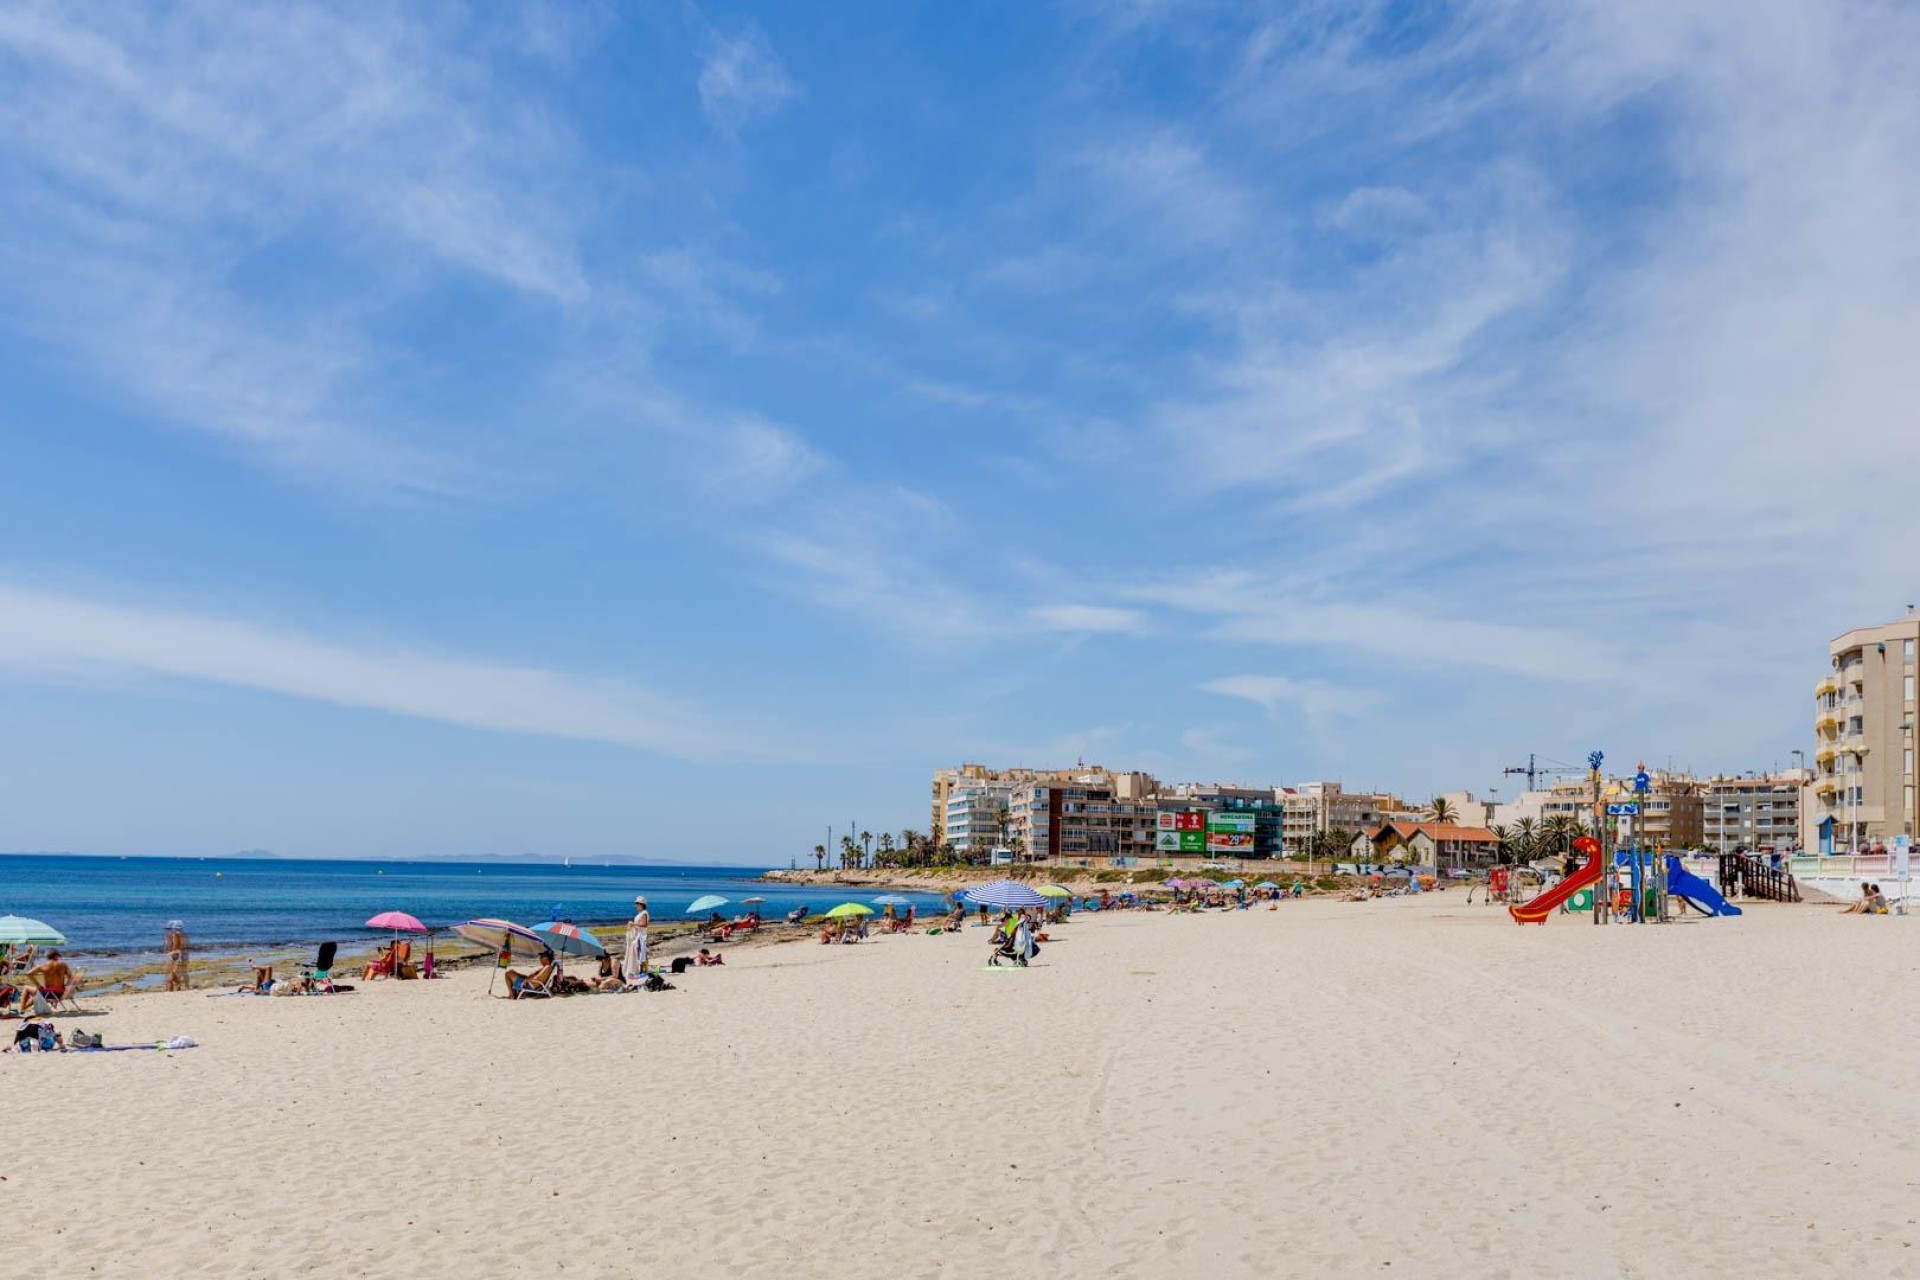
<point>742,79</point>
<point>157,163</point>
<point>1319,702</point>
<point>47,635</point>
<point>1092,619</point>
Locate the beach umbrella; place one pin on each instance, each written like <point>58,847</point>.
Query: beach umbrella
<point>848,910</point>
<point>1054,891</point>
<point>507,940</point>
<point>1232,884</point>
<point>1005,894</point>
<point>892,900</point>
<point>710,902</point>
<point>396,922</point>
<point>1266,884</point>
<point>754,901</point>
<point>569,939</point>
<point>502,935</point>
<point>20,931</point>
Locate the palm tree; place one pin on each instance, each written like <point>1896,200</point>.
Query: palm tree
<point>912,842</point>
<point>886,849</point>
<point>1556,836</point>
<point>819,857</point>
<point>849,852</point>
<point>1526,838</point>
<point>866,848</point>
<point>1504,834</point>
<point>1442,810</point>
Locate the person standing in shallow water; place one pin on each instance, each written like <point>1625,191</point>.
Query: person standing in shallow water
<point>636,957</point>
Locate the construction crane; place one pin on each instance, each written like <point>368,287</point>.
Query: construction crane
<point>1534,770</point>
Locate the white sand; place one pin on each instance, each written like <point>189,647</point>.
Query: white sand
<point>1326,1089</point>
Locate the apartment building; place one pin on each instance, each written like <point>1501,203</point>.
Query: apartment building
<point>1755,811</point>
<point>1672,811</point>
<point>1864,779</point>
<point>1084,817</point>
<point>1001,782</point>
<point>1314,807</point>
<point>976,818</point>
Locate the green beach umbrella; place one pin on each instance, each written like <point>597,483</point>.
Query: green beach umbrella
<point>848,909</point>
<point>22,932</point>
<point>1053,891</point>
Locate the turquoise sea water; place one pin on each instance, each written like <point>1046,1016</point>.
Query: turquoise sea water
<point>121,906</point>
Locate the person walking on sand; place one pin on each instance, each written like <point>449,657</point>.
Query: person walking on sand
<point>635,962</point>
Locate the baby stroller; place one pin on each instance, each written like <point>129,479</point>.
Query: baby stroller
<point>1018,946</point>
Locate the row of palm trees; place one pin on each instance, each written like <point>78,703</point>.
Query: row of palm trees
<point>909,849</point>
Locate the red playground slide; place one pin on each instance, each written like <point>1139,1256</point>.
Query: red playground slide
<point>1536,909</point>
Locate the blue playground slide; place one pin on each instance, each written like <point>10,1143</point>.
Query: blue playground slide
<point>1701,896</point>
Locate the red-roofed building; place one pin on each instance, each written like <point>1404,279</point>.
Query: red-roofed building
<point>1440,845</point>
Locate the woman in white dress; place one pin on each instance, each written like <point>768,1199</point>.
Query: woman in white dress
<point>634,966</point>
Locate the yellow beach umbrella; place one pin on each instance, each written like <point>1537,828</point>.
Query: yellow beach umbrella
<point>848,909</point>
<point>1053,891</point>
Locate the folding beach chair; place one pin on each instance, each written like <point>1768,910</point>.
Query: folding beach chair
<point>319,975</point>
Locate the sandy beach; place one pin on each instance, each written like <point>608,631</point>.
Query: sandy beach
<point>1405,1087</point>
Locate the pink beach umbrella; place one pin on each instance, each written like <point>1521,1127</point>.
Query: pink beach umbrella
<point>397,923</point>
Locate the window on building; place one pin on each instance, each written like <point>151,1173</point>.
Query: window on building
<point>1906,652</point>
<point>1909,688</point>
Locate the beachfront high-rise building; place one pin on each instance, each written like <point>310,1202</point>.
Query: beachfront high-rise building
<point>1084,817</point>
<point>979,778</point>
<point>1757,811</point>
<point>1864,778</point>
<point>976,816</point>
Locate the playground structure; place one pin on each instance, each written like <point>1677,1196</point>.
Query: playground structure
<point>1536,909</point>
<point>1638,882</point>
<point>1635,885</point>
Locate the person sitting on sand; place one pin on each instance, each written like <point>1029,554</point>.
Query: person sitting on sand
<point>609,977</point>
<point>956,919</point>
<point>541,977</point>
<point>708,958</point>
<point>1860,907</point>
<point>1876,901</point>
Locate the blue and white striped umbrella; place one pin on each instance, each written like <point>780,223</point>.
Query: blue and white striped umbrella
<point>1005,894</point>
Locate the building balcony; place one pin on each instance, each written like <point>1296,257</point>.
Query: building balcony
<point>1825,752</point>
<point>1826,786</point>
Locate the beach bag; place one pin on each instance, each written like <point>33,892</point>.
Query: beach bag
<point>84,1040</point>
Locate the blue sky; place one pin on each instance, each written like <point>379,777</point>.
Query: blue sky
<point>668,429</point>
